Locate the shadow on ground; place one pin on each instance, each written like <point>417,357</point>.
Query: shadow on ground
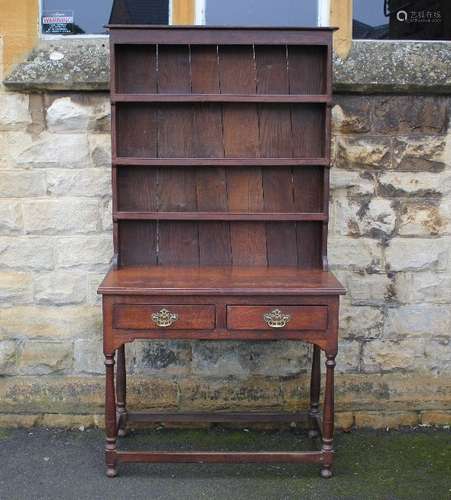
<point>57,464</point>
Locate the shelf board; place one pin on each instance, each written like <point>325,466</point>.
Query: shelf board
<point>273,98</point>
<point>221,216</point>
<point>218,162</point>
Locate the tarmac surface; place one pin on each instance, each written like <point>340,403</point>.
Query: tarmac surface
<point>57,464</point>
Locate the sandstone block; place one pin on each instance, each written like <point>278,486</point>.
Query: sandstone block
<point>234,393</point>
<point>435,417</point>
<point>416,153</point>
<point>351,115</point>
<point>14,112</point>
<point>223,359</point>
<point>363,152</point>
<point>368,289</point>
<point>15,420</point>
<point>359,217</point>
<point>420,287</point>
<point>60,287</point>
<point>162,358</point>
<point>26,253</point>
<point>410,254</point>
<point>15,287</point>
<point>385,355</point>
<point>351,180</point>
<point>64,322</point>
<point>411,113</point>
<point>64,115</point>
<point>87,251</point>
<point>344,420</point>
<point>88,356</point>
<point>361,322</point>
<point>12,145</point>
<point>63,215</point>
<point>52,394</point>
<point>62,421</point>
<point>100,150</point>
<point>43,357</point>
<point>10,217</point>
<point>420,219</point>
<point>348,358</point>
<point>422,184</point>
<point>386,420</point>
<point>57,151</point>
<point>106,215</point>
<point>8,355</point>
<point>355,253</point>
<point>438,355</point>
<point>79,182</point>
<point>418,320</point>
<point>94,280</point>
<point>22,184</point>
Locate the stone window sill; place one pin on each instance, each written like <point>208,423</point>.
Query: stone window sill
<point>371,67</point>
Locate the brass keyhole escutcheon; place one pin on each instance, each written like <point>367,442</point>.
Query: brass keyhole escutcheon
<point>276,318</point>
<point>164,318</point>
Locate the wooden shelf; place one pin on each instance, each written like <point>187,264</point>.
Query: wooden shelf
<point>224,280</point>
<point>264,98</point>
<point>221,216</point>
<point>218,162</point>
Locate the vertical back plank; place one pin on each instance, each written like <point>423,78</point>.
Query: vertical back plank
<point>244,185</point>
<point>276,141</point>
<point>137,243</point>
<point>178,242</point>
<point>214,237</point>
<point>136,68</point>
<point>309,136</point>
<point>137,189</point>
<point>136,126</point>
<point>173,69</point>
<point>307,69</point>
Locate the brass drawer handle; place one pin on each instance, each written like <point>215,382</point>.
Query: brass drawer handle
<point>276,318</point>
<point>164,318</point>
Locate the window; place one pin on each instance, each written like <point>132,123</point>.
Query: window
<point>261,12</point>
<point>73,17</point>
<point>402,19</point>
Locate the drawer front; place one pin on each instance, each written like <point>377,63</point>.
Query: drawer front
<point>277,317</point>
<point>166,317</point>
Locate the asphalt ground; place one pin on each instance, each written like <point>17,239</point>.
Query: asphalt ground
<point>58,464</point>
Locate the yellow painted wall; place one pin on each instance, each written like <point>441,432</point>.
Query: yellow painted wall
<point>341,18</point>
<point>19,23</point>
<point>183,11</point>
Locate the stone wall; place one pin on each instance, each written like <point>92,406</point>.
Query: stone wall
<point>389,243</point>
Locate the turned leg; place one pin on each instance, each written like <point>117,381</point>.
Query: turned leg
<point>328,418</point>
<point>110,417</point>
<point>121,391</point>
<point>315,386</point>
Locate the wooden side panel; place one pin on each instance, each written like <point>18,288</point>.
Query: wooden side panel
<point>136,68</point>
<point>276,141</point>
<point>136,130</point>
<point>244,185</point>
<point>307,69</point>
<point>178,242</point>
<point>137,243</point>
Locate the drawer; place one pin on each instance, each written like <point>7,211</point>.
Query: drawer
<point>277,317</point>
<point>168,317</point>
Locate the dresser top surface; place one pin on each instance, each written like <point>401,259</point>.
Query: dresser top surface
<point>155,280</point>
